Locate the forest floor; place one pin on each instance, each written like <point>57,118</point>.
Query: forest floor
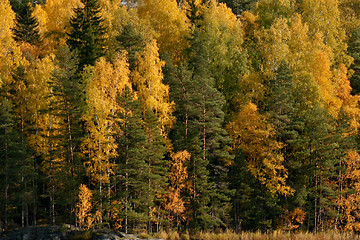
<point>61,233</point>
<point>229,235</point>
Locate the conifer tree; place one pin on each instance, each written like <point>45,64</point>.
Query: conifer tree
<point>88,33</point>
<point>158,164</point>
<point>18,174</point>
<point>27,26</point>
<point>132,171</point>
<point>199,131</point>
<point>66,104</point>
<point>354,47</point>
<point>131,41</point>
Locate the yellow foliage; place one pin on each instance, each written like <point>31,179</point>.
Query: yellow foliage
<point>323,77</point>
<point>274,43</point>
<point>152,91</point>
<point>349,101</point>
<point>10,55</point>
<point>35,95</point>
<point>109,80</point>
<point>256,138</point>
<point>170,23</point>
<point>84,206</point>
<point>349,14</point>
<point>323,16</point>
<point>54,17</point>
<point>222,36</point>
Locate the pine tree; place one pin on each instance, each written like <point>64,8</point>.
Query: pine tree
<point>66,104</point>
<point>158,165</point>
<point>199,131</point>
<point>132,171</point>
<point>27,26</point>
<point>18,174</point>
<point>88,33</point>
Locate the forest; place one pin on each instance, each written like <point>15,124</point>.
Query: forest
<point>184,115</point>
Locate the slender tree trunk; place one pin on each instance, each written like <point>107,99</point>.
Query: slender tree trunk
<point>340,200</point>
<point>126,191</point>
<point>22,175</point>
<point>52,183</point>
<point>34,203</point>
<point>316,205</point>
<point>26,207</point>
<point>6,187</point>
<point>204,128</point>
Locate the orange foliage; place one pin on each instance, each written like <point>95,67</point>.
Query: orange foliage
<point>177,177</point>
<point>84,206</point>
<point>349,198</point>
<point>293,219</point>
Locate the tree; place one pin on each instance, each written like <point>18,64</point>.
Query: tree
<point>170,23</point>
<point>354,45</point>
<point>10,54</point>
<point>87,35</point>
<point>84,206</point>
<point>132,171</point>
<point>131,41</point>
<point>222,36</point>
<point>251,132</point>
<point>199,131</point>
<point>328,23</point>
<point>178,175</point>
<point>239,6</point>
<point>349,192</point>
<point>27,26</point>
<point>67,105</point>
<point>18,174</point>
<point>106,81</point>
<point>53,18</point>
<point>148,81</point>
<point>269,10</point>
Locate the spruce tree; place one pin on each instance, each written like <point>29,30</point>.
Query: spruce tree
<point>27,26</point>
<point>87,35</point>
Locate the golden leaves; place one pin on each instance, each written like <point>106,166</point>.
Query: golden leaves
<point>170,23</point>
<point>108,82</point>
<point>256,138</point>
<point>148,78</point>
<point>177,177</point>
<point>84,206</point>
<point>10,55</point>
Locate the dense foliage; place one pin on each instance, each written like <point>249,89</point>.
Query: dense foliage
<point>187,115</point>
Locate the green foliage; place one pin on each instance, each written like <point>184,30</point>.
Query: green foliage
<point>18,176</point>
<point>354,47</point>
<point>87,35</point>
<point>131,41</point>
<point>140,171</point>
<point>265,101</point>
<point>27,26</point>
